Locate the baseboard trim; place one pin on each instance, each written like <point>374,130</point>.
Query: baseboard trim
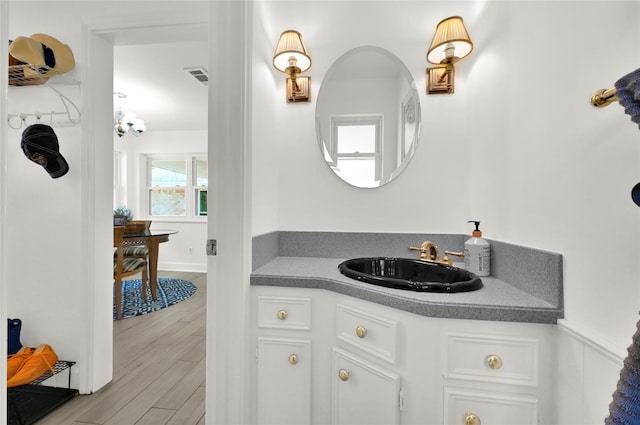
<point>182,267</point>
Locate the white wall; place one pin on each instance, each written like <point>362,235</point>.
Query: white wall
<point>267,157</point>
<point>518,146</point>
<point>54,234</point>
<point>3,192</point>
<point>174,255</point>
<point>43,217</point>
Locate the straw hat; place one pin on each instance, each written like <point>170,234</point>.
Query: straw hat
<point>43,50</point>
<point>13,61</point>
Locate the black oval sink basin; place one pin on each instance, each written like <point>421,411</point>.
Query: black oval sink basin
<point>415,275</point>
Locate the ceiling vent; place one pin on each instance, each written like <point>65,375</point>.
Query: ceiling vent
<point>200,74</point>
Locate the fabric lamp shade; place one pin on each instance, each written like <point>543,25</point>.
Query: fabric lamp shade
<point>290,46</point>
<point>450,32</point>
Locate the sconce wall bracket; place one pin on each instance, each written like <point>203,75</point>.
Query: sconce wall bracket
<point>298,89</point>
<point>441,79</point>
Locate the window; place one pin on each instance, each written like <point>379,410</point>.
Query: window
<point>202,182</point>
<point>177,186</point>
<point>356,148</point>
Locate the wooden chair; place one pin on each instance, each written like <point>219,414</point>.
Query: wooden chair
<point>126,266</point>
<point>138,251</point>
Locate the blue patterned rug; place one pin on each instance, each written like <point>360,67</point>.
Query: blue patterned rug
<point>170,292</point>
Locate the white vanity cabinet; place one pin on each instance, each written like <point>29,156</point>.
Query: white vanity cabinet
<point>329,358</point>
<point>283,351</point>
<point>363,393</point>
<point>366,387</point>
<point>494,373</point>
<point>284,381</point>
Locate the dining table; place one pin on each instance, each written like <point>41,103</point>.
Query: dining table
<point>151,238</point>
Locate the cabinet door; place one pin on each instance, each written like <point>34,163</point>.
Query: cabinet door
<point>284,381</point>
<point>474,407</point>
<point>363,393</point>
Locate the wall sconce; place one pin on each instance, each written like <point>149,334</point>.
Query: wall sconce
<point>292,58</point>
<point>450,44</point>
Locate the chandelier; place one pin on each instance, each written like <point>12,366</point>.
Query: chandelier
<point>126,122</point>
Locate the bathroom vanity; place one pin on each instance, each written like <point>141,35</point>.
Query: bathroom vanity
<point>330,349</point>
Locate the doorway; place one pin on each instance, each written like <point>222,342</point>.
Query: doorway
<point>229,139</point>
<point>161,168</point>
<point>101,48</point>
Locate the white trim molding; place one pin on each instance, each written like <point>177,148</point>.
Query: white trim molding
<point>229,222</point>
<point>4,54</point>
<point>592,340</point>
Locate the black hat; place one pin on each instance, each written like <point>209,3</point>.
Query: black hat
<point>40,145</point>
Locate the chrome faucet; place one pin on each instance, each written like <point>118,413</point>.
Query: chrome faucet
<point>429,253</point>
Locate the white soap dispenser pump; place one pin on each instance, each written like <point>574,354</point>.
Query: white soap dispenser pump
<point>477,253</point>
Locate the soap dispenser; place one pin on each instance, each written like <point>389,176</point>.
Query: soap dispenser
<point>477,253</point>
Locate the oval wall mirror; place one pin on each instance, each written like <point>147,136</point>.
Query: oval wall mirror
<point>368,117</point>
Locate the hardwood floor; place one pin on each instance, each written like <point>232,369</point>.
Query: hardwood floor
<point>159,369</point>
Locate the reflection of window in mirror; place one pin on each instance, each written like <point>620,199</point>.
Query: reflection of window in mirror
<point>356,149</point>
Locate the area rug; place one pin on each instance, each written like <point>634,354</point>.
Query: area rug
<point>170,291</point>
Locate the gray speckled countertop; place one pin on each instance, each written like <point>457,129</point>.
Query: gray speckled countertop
<point>496,300</point>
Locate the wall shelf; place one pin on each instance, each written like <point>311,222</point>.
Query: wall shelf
<point>40,94</point>
<point>32,75</point>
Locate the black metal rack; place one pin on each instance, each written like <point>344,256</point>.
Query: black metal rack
<point>27,404</point>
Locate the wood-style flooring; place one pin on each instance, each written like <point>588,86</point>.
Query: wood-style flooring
<point>159,369</point>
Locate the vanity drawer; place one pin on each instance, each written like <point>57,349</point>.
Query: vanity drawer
<point>284,313</point>
<point>467,406</point>
<point>368,332</point>
<point>490,358</point>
